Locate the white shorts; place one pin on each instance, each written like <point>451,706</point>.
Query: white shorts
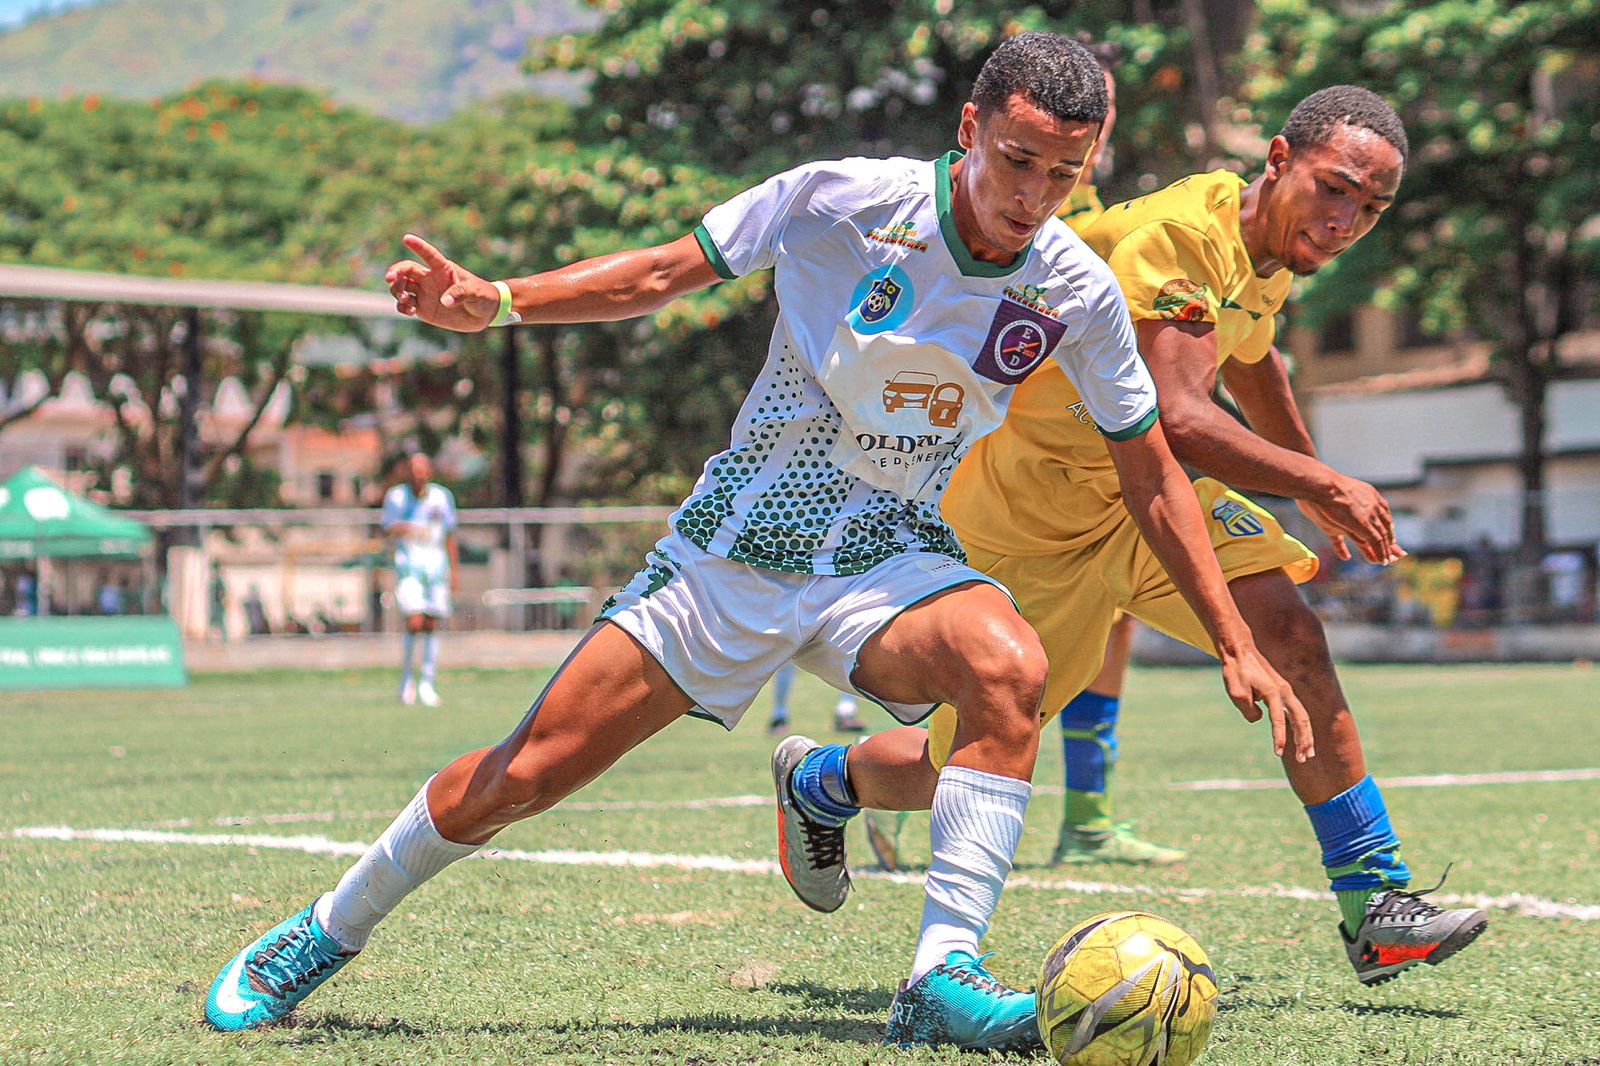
<point>721,629</point>
<point>419,595</point>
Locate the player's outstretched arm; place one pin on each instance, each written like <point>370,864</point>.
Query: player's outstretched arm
<point>1354,508</point>
<point>1183,360</point>
<point>1162,501</point>
<point>607,288</point>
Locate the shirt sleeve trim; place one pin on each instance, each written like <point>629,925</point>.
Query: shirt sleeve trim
<point>1138,429</point>
<point>713,254</point>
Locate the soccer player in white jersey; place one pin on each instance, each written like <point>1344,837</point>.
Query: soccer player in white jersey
<point>913,296</point>
<point>420,517</point>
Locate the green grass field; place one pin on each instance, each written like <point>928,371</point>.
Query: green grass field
<point>108,945</point>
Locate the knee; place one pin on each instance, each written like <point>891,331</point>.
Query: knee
<point>1005,671</point>
<point>1298,643</point>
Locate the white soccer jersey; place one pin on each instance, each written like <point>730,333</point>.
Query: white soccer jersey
<point>432,516</point>
<point>893,351</point>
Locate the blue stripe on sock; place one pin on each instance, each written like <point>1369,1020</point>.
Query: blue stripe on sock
<point>1089,712</point>
<point>821,787</point>
<point>1354,828</point>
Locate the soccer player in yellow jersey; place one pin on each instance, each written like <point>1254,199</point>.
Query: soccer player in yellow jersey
<point>1205,264</point>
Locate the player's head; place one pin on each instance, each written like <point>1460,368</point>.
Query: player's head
<point>1330,174</point>
<point>1108,54</point>
<point>419,471</point>
<point>1036,107</point>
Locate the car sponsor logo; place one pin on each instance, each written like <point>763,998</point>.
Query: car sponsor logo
<point>917,390</point>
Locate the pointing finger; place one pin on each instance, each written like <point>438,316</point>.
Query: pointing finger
<point>425,251</point>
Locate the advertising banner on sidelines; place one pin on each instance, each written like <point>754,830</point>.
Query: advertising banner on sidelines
<point>89,652</point>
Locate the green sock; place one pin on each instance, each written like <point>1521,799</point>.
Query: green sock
<point>1353,905</point>
<point>1088,812</point>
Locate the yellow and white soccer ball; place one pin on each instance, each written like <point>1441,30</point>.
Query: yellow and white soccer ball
<point>1126,989</point>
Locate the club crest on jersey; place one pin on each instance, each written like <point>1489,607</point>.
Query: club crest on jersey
<point>1019,339</point>
<point>1181,300</point>
<point>1237,519</point>
<point>881,301</point>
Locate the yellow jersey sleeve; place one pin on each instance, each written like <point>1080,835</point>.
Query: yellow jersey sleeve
<point>1081,207</point>
<point>1167,271</point>
<point>1258,343</point>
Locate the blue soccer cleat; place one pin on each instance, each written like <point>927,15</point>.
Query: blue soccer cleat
<point>958,1002</point>
<point>268,979</point>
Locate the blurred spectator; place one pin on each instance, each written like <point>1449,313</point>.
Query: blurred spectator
<point>1481,584</point>
<point>218,614</point>
<point>255,613</point>
<point>110,599</point>
<point>27,593</point>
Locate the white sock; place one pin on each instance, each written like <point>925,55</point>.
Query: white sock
<point>845,708</point>
<point>408,645</point>
<point>408,853</point>
<point>977,822</point>
<point>430,656</point>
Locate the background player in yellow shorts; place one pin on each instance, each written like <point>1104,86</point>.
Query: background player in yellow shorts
<point>1205,264</point>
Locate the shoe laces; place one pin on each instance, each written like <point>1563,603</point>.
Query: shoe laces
<point>1408,905</point>
<point>293,960</point>
<point>824,843</point>
<point>973,974</point>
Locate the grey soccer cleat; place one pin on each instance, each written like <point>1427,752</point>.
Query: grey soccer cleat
<point>811,854</point>
<point>1402,929</point>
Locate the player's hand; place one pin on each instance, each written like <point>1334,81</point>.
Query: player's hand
<point>441,292</point>
<point>1251,681</point>
<point>1355,511</point>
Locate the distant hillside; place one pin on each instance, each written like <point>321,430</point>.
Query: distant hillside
<point>412,59</point>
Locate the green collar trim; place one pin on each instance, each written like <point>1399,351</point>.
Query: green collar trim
<point>970,267</point>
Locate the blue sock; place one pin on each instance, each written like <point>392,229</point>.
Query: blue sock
<point>407,653</point>
<point>1360,850</point>
<point>1089,740</point>
<point>822,789</point>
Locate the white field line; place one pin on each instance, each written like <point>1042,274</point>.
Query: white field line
<point>1507,777</point>
<point>297,817</point>
<point>1516,902</point>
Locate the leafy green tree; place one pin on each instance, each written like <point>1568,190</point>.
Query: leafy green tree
<point>1497,229</point>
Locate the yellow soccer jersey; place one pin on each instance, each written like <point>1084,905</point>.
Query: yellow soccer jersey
<point>1044,481</point>
<point>1081,208</point>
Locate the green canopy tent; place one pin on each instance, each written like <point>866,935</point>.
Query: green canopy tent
<point>41,520</point>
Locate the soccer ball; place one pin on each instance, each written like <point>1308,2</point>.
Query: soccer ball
<point>1126,989</point>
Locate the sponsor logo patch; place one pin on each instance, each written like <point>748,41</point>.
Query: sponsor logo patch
<point>901,235</point>
<point>1181,300</point>
<point>1019,339</point>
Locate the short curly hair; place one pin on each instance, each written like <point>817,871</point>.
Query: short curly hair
<point>1053,72</point>
<point>1314,119</point>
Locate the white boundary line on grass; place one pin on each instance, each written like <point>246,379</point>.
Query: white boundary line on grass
<point>298,817</point>
<point>1227,784</point>
<point>1516,902</point>
<point>1505,777</point>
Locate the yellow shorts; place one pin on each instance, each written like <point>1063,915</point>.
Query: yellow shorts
<point>1073,598</point>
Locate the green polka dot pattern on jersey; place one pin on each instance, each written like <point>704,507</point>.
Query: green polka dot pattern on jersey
<point>789,504</point>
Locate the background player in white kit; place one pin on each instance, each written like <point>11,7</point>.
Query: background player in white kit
<point>420,517</point>
<point>913,296</point>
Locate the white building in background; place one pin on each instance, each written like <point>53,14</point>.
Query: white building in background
<point>1446,456</point>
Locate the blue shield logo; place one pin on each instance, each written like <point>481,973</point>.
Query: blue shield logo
<point>882,300</point>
